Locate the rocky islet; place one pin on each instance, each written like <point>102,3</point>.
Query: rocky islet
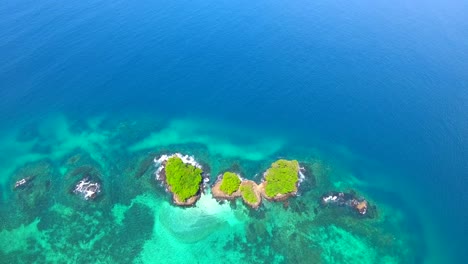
<point>182,176</point>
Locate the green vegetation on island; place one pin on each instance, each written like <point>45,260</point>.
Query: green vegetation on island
<point>282,177</point>
<point>229,183</point>
<point>183,179</point>
<point>248,193</point>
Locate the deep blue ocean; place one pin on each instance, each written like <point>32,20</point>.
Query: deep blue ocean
<point>379,87</point>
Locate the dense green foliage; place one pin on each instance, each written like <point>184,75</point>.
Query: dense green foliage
<point>184,179</point>
<point>248,193</point>
<point>230,183</point>
<point>282,177</point>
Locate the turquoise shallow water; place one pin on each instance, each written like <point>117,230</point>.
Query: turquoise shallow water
<point>368,95</point>
<point>134,220</point>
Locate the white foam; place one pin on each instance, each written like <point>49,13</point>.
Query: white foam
<point>87,189</point>
<point>186,159</point>
<point>301,175</point>
<point>238,175</point>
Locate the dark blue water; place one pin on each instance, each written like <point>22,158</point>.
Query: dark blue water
<point>386,79</point>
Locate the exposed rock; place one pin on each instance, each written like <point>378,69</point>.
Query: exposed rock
<point>362,207</point>
<point>190,201</point>
<point>87,188</point>
<point>350,200</point>
<point>21,184</point>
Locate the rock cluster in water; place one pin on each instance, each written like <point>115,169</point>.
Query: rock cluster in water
<point>349,200</point>
<point>87,188</point>
<point>23,183</point>
<point>31,185</point>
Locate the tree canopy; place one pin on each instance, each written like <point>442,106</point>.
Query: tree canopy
<point>248,193</point>
<point>282,177</point>
<point>229,183</point>
<point>183,179</point>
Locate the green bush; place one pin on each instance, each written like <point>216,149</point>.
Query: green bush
<point>183,179</point>
<point>230,183</point>
<point>248,193</point>
<point>281,177</point>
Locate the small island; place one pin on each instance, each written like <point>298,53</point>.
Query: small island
<point>227,186</point>
<point>230,185</point>
<point>280,182</point>
<point>251,194</point>
<point>182,176</point>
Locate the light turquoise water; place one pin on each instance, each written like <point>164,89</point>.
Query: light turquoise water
<point>135,221</point>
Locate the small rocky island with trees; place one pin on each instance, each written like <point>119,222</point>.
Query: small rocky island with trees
<point>182,176</point>
<point>279,182</point>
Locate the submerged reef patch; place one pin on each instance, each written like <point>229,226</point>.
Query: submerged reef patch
<point>32,184</point>
<point>340,246</point>
<point>133,222</point>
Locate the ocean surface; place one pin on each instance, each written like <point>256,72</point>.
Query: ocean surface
<point>369,96</point>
